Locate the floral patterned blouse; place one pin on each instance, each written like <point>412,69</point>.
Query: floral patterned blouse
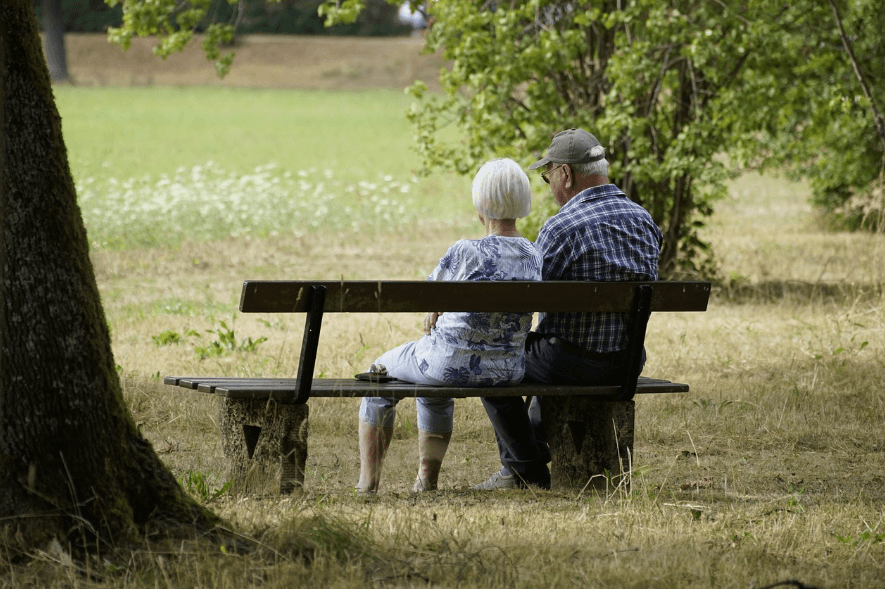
<point>481,349</point>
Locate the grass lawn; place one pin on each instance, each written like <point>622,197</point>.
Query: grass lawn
<point>132,132</point>
<point>155,166</point>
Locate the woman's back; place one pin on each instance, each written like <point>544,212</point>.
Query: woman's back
<point>481,349</point>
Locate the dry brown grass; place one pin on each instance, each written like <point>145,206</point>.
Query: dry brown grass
<point>770,469</point>
<point>263,61</point>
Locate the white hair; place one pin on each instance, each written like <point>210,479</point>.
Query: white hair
<point>597,168</point>
<point>501,190</point>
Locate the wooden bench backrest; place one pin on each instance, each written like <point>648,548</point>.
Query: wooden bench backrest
<point>404,296</point>
<point>638,299</point>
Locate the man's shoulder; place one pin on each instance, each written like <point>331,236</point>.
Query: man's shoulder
<point>605,190</point>
<point>608,201</point>
<point>586,208</point>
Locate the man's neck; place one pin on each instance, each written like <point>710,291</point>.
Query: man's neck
<point>582,183</point>
<point>592,181</point>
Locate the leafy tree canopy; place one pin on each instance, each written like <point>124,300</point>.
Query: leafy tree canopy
<point>676,88</point>
<point>823,119</point>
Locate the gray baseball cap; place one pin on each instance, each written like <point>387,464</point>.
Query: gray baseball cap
<point>571,146</point>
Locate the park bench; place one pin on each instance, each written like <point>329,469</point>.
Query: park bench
<point>264,421</point>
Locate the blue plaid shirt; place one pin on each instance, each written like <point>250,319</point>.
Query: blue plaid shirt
<point>599,234</point>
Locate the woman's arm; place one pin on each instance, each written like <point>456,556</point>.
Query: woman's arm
<point>448,268</point>
<point>430,321</point>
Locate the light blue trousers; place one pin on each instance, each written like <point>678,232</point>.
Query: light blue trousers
<point>435,415</point>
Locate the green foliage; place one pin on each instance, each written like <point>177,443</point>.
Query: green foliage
<point>226,343</point>
<point>865,537</point>
<point>167,337</point>
<point>301,17</point>
<point>174,26</point>
<point>669,86</point>
<point>654,80</point>
<point>813,117</point>
<point>202,486</point>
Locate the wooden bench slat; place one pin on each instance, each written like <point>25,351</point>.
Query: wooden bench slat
<point>200,382</point>
<point>404,296</point>
<point>284,389</point>
<point>282,384</point>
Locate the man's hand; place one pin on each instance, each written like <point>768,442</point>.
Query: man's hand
<point>430,322</point>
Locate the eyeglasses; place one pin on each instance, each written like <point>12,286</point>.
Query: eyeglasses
<point>546,173</point>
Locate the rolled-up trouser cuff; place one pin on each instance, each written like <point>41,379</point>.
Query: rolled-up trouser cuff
<point>435,414</point>
<point>520,451</point>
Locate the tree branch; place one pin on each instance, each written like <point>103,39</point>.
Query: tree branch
<point>877,118</point>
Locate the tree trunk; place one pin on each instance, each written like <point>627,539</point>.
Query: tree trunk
<point>54,31</point>
<point>73,464</point>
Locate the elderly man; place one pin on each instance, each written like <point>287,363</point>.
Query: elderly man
<point>598,234</point>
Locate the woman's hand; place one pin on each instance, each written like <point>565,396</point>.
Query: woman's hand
<point>430,322</point>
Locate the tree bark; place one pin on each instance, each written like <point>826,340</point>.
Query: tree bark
<point>54,31</point>
<point>73,464</point>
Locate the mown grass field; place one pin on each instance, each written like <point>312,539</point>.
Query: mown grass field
<point>771,469</point>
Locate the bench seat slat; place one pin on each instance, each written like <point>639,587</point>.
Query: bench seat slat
<point>201,382</point>
<point>284,389</point>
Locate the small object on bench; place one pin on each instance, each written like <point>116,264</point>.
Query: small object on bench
<point>264,421</point>
<point>376,373</point>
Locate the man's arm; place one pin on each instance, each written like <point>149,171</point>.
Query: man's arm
<point>555,248</point>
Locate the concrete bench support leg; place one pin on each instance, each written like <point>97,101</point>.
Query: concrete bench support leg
<point>590,441</point>
<point>265,443</point>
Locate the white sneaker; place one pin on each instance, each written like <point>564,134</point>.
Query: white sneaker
<point>499,480</point>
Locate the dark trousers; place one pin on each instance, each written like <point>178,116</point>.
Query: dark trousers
<point>518,427</point>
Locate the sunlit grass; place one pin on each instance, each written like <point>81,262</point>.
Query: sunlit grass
<point>130,132</point>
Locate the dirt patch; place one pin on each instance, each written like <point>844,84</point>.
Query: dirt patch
<point>262,61</point>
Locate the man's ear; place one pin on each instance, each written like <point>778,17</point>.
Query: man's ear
<point>568,175</point>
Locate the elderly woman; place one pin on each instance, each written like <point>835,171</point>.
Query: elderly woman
<point>464,349</point>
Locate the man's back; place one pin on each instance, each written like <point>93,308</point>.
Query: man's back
<point>598,235</point>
